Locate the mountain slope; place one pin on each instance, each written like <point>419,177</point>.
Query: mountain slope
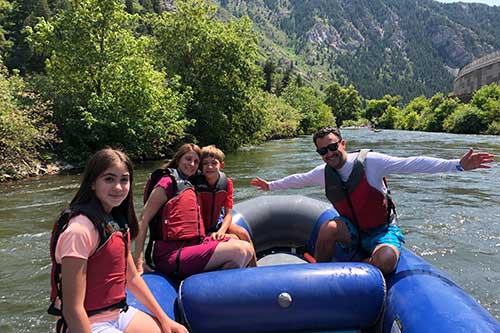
<point>405,47</point>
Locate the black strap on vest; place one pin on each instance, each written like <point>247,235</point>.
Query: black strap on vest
<point>148,253</point>
<point>120,305</point>
<point>180,185</point>
<point>155,223</point>
<point>178,262</point>
<point>391,207</point>
<point>201,185</point>
<point>348,198</point>
<point>61,326</point>
<point>356,223</point>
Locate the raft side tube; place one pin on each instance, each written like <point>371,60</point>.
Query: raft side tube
<point>276,221</point>
<point>287,298</point>
<point>164,290</point>
<point>421,298</point>
<point>288,221</point>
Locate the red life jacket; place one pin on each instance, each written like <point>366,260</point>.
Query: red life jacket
<point>106,273</point>
<point>211,198</point>
<point>180,217</point>
<point>106,270</point>
<point>368,207</point>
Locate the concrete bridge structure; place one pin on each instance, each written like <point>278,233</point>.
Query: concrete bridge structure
<point>478,73</point>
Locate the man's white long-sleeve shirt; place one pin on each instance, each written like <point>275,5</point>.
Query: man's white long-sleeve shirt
<point>377,167</point>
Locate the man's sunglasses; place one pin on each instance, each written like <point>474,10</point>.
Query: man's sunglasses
<point>331,147</point>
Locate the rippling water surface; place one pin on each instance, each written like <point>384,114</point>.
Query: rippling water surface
<point>452,220</point>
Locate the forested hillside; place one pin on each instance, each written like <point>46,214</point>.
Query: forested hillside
<point>149,75</point>
<point>397,47</point>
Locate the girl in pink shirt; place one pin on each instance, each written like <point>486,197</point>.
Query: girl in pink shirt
<point>91,260</point>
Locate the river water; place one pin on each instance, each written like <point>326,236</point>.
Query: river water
<point>452,220</point>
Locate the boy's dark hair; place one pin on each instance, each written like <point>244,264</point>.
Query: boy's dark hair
<point>325,131</point>
<point>212,151</point>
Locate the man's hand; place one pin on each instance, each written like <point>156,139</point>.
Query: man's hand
<point>260,183</point>
<point>471,160</point>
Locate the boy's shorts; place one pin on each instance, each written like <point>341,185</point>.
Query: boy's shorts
<point>215,228</point>
<point>387,234</point>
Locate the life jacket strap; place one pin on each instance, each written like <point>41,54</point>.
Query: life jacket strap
<point>120,305</point>
<point>61,326</point>
<point>178,261</point>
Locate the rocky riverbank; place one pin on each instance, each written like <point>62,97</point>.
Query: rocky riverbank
<point>25,170</point>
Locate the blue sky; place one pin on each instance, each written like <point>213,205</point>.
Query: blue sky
<point>488,2</point>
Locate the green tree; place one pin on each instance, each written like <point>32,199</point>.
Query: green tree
<point>411,115</point>
<point>133,6</point>
<point>148,5</point>
<point>314,113</point>
<point>269,71</point>
<point>344,102</point>
<point>5,8</point>
<point>24,15</point>
<point>466,119</point>
<point>487,99</point>
<point>433,121</point>
<point>375,108</point>
<point>287,75</point>
<point>279,119</point>
<point>389,118</point>
<point>103,85</point>
<point>493,128</point>
<point>25,128</point>
<point>218,60</point>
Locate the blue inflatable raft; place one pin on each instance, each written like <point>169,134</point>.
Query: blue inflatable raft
<point>285,294</point>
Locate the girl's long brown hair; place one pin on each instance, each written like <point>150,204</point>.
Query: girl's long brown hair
<point>184,149</point>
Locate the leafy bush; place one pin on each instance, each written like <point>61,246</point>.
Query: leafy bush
<point>493,128</point>
<point>279,119</point>
<point>25,128</point>
<point>488,100</point>
<point>345,102</point>
<point>433,121</point>
<point>388,118</point>
<point>314,113</point>
<point>411,116</point>
<point>466,119</point>
<point>5,8</point>
<point>380,112</point>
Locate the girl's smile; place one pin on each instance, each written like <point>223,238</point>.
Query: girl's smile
<point>112,186</point>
